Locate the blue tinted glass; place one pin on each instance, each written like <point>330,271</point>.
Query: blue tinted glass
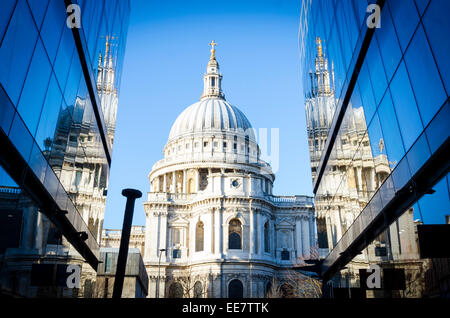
<point>20,137</point>
<point>38,8</point>
<point>73,81</point>
<point>5,179</point>
<point>49,115</point>
<point>401,175</point>
<point>437,131</point>
<point>387,39</point>
<point>392,139</point>
<point>405,107</point>
<point>437,26</point>
<point>365,88</point>
<point>33,93</point>
<point>5,15</point>
<point>425,78</point>
<point>38,163</point>
<point>64,57</point>
<point>6,111</point>
<point>377,73</point>
<point>418,154</point>
<point>16,50</point>
<point>421,5</point>
<point>435,207</point>
<point>376,138</point>
<point>405,18</point>
<point>52,27</point>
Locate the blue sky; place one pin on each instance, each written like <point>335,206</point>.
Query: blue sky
<point>166,56</point>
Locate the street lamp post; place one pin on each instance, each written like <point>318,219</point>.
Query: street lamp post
<point>159,271</point>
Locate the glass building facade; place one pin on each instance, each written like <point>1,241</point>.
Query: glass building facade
<point>377,109</point>
<point>59,88</point>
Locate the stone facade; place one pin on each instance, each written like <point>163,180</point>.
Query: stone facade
<point>214,228</point>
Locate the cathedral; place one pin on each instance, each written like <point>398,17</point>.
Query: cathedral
<point>213,226</point>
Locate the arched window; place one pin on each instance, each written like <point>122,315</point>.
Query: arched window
<point>235,289</point>
<point>234,235</point>
<point>198,290</point>
<point>266,237</point>
<point>175,290</point>
<point>199,236</point>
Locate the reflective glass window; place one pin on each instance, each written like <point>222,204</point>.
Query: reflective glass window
<point>16,50</point>
<point>437,132</point>
<point>418,154</point>
<point>33,93</point>
<point>64,57</point>
<point>52,27</point>
<point>365,88</point>
<point>405,18</point>
<point>389,47</point>
<point>421,5</point>
<point>376,69</point>
<point>38,8</point>
<point>425,79</point>
<point>405,107</point>
<point>435,207</point>
<point>6,111</point>
<point>20,137</point>
<point>392,138</point>
<point>49,115</point>
<point>437,26</point>
<point>5,15</point>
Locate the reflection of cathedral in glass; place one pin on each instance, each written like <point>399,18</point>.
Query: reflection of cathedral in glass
<point>356,168</point>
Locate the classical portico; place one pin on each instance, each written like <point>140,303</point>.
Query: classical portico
<point>212,209</point>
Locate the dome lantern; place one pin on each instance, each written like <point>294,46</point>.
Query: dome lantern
<point>212,80</point>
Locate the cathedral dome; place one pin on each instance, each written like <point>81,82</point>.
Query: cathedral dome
<point>211,115</point>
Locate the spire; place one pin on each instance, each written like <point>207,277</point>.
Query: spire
<point>320,79</point>
<point>212,80</point>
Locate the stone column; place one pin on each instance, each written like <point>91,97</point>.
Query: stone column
<point>162,231</point>
<point>158,186</point>
<point>174,182</point>
<point>298,234</point>
<point>258,232</point>
<point>252,236</point>
<point>197,180</point>
<point>305,236</point>
<point>165,183</point>
<point>312,237</point>
<point>184,190</point>
<point>217,231</point>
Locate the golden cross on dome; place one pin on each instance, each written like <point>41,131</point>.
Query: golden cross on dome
<point>213,50</point>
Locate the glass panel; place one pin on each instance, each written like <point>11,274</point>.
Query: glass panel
<point>16,50</point>
<point>5,15</point>
<point>405,18</point>
<point>33,93</point>
<point>376,69</point>
<point>38,8</point>
<point>436,25</point>
<point>49,116</point>
<point>392,139</point>
<point>389,47</point>
<point>20,137</point>
<point>435,207</point>
<point>405,107</point>
<point>53,26</point>
<point>64,57</point>
<point>425,78</point>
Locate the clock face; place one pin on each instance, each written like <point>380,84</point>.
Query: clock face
<point>235,183</point>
